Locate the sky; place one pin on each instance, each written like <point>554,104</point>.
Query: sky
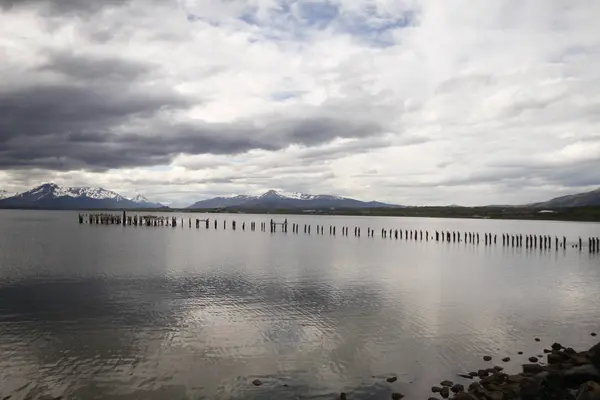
<point>415,102</point>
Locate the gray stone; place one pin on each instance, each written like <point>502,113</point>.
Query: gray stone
<point>487,358</point>
<point>397,396</point>
<point>494,395</point>
<point>464,396</point>
<point>466,376</point>
<point>392,379</point>
<point>445,392</point>
<point>473,374</point>
<point>556,346</point>
<point>533,359</point>
<point>589,391</point>
<point>506,359</point>
<point>554,358</point>
<point>447,383</point>
<point>436,389</point>
<point>532,368</point>
<point>256,382</point>
<point>577,376</point>
<point>458,388</point>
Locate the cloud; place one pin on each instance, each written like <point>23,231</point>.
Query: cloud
<point>401,101</point>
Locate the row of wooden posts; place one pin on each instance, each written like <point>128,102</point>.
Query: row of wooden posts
<point>508,240</point>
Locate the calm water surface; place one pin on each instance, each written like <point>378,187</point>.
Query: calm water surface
<point>176,313</point>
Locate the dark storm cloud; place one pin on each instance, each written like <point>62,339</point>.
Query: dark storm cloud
<point>62,7</point>
<point>94,68</point>
<point>97,127</point>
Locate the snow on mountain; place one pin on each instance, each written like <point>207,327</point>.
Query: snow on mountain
<point>143,201</point>
<point>282,199</point>
<point>51,195</point>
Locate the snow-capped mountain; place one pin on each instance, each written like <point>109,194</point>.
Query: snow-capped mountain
<point>51,195</point>
<point>280,199</point>
<point>142,201</point>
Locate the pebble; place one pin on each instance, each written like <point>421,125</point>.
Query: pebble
<point>487,358</point>
<point>397,396</point>
<point>533,359</point>
<point>499,368</point>
<point>473,374</point>
<point>392,379</point>
<point>593,333</point>
<point>466,376</point>
<point>506,359</point>
<point>537,339</point>
<point>520,353</point>
<point>256,382</point>
<point>447,383</point>
<point>436,389</point>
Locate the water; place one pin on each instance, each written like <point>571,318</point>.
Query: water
<point>154,313</point>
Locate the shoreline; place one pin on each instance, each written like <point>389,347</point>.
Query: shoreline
<point>563,374</point>
<point>575,214</point>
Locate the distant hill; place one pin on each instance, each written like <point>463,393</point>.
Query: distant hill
<point>574,200</point>
<point>53,196</point>
<point>275,199</point>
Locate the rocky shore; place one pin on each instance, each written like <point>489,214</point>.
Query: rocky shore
<point>566,375</point>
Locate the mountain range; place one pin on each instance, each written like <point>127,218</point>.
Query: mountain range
<point>278,199</point>
<point>53,196</point>
<point>573,200</point>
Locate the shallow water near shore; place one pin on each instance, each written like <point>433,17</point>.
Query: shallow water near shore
<point>118,312</point>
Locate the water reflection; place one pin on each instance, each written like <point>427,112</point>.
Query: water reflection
<point>101,312</point>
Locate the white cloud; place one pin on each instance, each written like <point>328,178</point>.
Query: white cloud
<point>474,99</point>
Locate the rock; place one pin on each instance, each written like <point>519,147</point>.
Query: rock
<point>342,396</point>
<point>570,351</point>
<point>473,374</point>
<point>445,392</point>
<point>594,354</point>
<point>475,387</point>
<point>494,395</point>
<point>577,376</point>
<point>487,358</point>
<point>537,339</point>
<point>593,333</point>
<point>499,368</point>
<point>589,391</point>
<point>514,378</point>
<point>397,396</point>
<point>465,376</point>
<point>392,379</point>
<point>436,389</point>
<point>556,346</point>
<point>491,379</point>
<point>579,360</point>
<point>465,396</point>
<point>532,368</point>
<point>530,388</point>
<point>506,359</point>
<point>256,382</point>
<point>554,358</point>
<point>482,373</point>
<point>520,353</point>
<point>533,359</point>
<point>458,388</point>
<point>447,383</point>
<point>546,351</point>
